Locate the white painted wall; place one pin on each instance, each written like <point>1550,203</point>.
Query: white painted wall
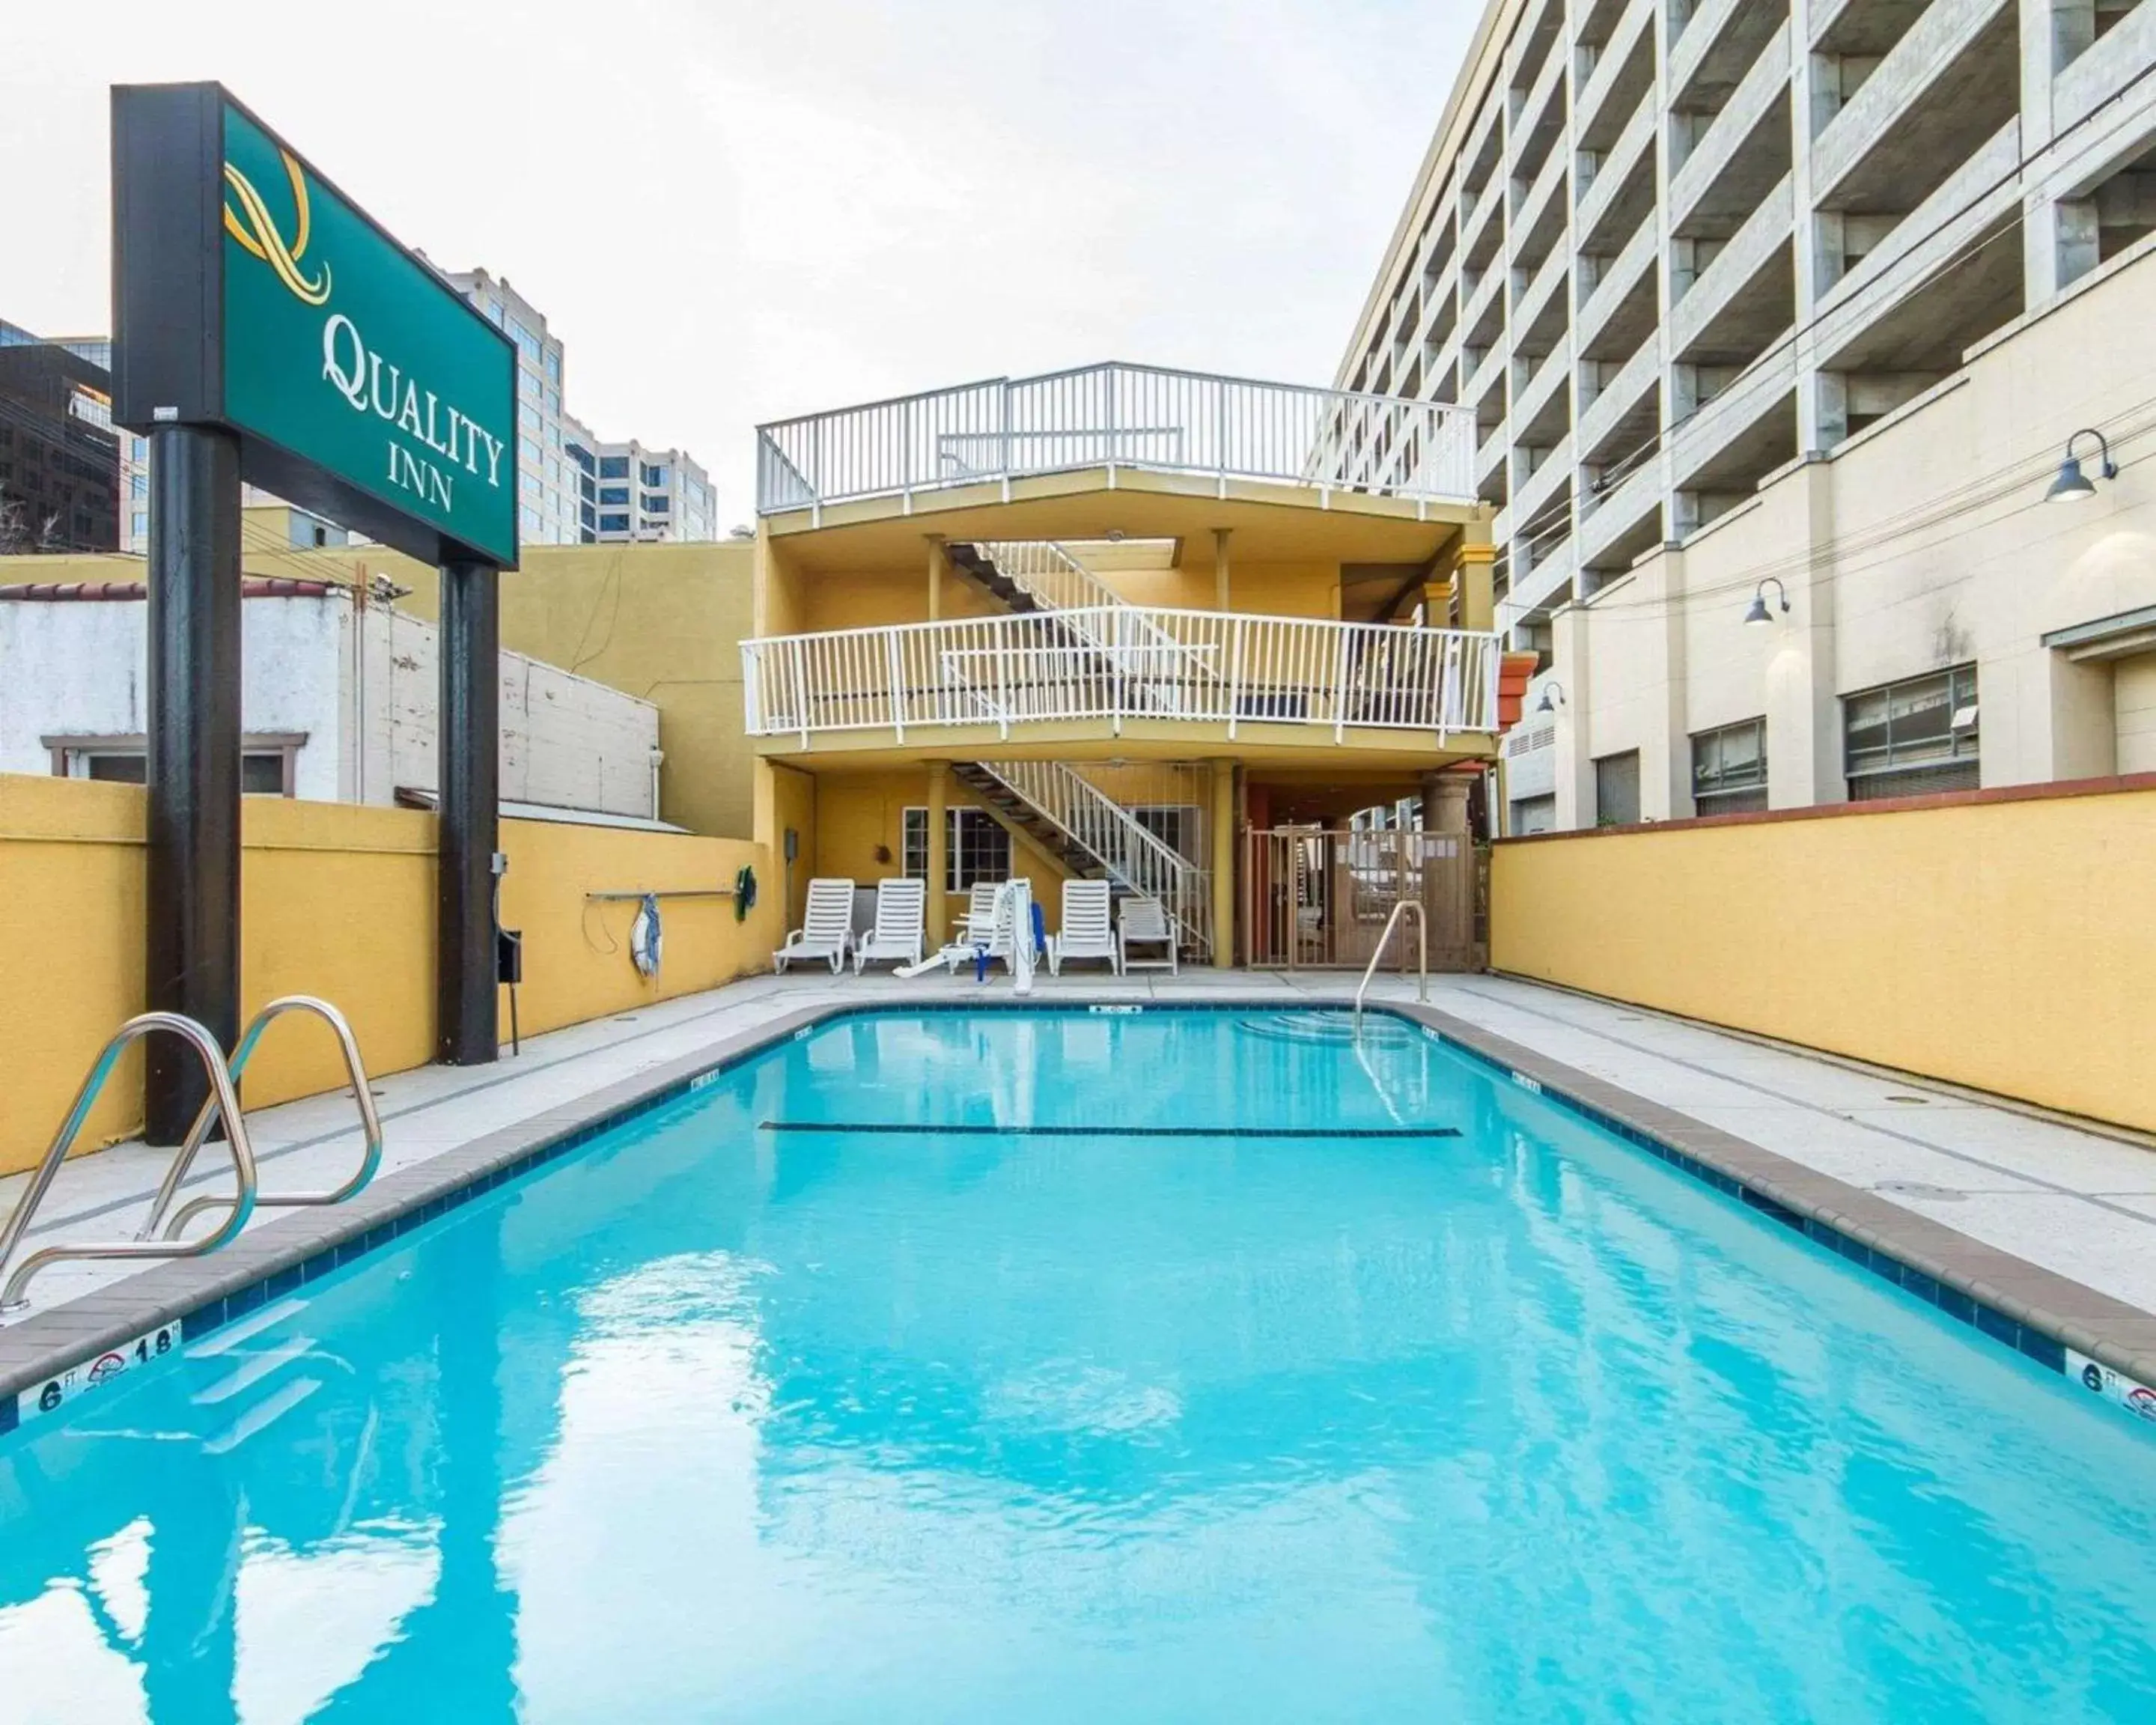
<point>1919,543</point>
<point>364,698</point>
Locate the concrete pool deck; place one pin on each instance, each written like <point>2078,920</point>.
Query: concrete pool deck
<point>1998,1195</point>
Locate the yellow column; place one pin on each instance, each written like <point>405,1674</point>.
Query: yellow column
<point>1220,568</point>
<point>1224,865</point>
<point>936,559</point>
<point>1478,604</point>
<point>939,907</point>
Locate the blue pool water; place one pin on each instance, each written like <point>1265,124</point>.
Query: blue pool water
<point>744,1413</point>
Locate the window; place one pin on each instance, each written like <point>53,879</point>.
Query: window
<point>529,518</point>
<point>653,475</point>
<point>1912,737</point>
<point>1617,789</point>
<point>579,454</point>
<point>494,312</point>
<point>138,484</point>
<point>554,365</point>
<point>657,504</point>
<point>526,385</point>
<point>614,523</point>
<point>1533,814</point>
<point>267,763</point>
<point>1729,769</point>
<point>527,344</point>
<point>527,416</point>
<point>589,518</point>
<point>613,467</point>
<point>617,495</point>
<point>1176,824</point>
<point>975,848</point>
<point>553,401</point>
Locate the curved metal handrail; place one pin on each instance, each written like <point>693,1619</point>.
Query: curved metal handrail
<point>1385,940</point>
<point>370,1122</point>
<point>223,1098</point>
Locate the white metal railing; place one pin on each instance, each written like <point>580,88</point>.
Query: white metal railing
<point>1134,858</point>
<point>1057,581</point>
<point>1122,662</point>
<point>1050,573</point>
<point>1118,415</point>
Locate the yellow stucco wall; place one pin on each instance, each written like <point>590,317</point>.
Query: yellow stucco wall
<point>858,812</point>
<point>338,900</point>
<point>2009,946</point>
<point>664,623</point>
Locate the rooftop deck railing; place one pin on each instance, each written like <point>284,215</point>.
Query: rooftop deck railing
<point>1122,662</point>
<point>1118,415</point>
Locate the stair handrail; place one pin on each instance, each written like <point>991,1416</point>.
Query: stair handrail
<point>369,1117</point>
<point>1422,956</point>
<point>1037,782</point>
<point>223,1097</point>
<point>1058,580</point>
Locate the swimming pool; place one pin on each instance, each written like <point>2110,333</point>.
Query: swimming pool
<point>1074,1365</point>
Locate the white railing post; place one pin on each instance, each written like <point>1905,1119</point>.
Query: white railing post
<point>895,665</point>
<point>1235,638</point>
<point>1340,689</point>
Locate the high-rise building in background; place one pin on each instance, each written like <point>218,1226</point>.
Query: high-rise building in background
<point>60,482</point>
<point>573,487</point>
<point>1774,322</point>
<point>629,494</point>
<point>546,481</point>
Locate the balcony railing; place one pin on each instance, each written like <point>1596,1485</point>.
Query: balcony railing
<point>1118,415</point>
<point>1122,662</point>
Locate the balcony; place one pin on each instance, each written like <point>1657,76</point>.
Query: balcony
<point>1117,416</point>
<point>1105,666</point>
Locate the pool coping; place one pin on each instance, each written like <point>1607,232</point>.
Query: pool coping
<point>2106,1343</point>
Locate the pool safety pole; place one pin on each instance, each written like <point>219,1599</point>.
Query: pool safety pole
<point>468,749</point>
<point>191,700</point>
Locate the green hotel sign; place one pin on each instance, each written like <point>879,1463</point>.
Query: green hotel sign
<point>251,295</point>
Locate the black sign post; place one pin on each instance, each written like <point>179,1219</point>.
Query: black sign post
<point>192,689</point>
<point>267,329</point>
<point>466,1033</point>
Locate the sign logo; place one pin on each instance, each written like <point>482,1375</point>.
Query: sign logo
<point>256,231</point>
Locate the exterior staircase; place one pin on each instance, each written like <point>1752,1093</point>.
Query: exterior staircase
<point>1095,838</point>
<point>1041,578</point>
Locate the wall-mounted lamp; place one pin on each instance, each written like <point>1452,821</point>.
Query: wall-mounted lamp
<point>1552,698</point>
<point>1759,613</point>
<point>2072,485</point>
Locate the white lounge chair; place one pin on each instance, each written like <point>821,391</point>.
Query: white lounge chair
<point>992,930</point>
<point>980,917</point>
<point>827,925</point>
<point>901,911</point>
<point>1144,923</point>
<point>1084,933</point>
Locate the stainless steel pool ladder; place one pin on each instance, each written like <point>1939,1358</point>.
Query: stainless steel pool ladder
<point>370,1122</point>
<point>223,1103</point>
<point>1385,940</point>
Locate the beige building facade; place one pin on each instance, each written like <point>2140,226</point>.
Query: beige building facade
<point>1776,322</point>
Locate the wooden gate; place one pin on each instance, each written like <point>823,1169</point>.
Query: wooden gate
<point>1320,899</point>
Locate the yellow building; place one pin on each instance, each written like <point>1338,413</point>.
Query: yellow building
<point>1154,626</point>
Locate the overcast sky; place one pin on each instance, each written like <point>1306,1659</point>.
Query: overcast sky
<point>737,210</point>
